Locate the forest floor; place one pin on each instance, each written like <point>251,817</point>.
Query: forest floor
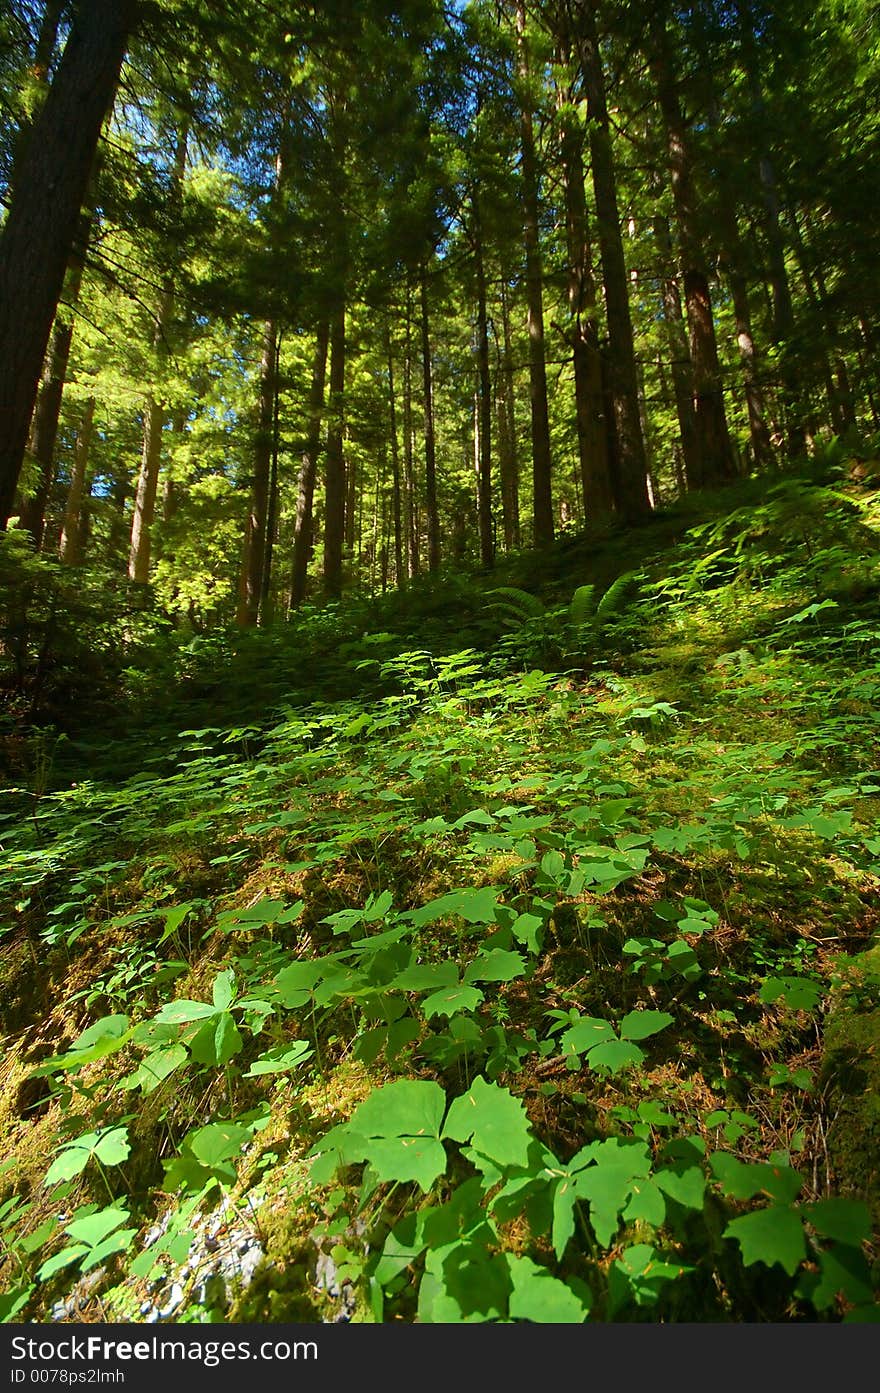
<point>490,953</point>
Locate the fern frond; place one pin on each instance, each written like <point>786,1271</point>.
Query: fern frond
<point>615,596</point>
<point>519,604</point>
<point>582,607</point>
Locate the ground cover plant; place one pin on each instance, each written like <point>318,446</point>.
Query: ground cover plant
<point>535,981</point>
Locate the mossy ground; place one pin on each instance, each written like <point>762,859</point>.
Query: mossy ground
<point>737,736</point>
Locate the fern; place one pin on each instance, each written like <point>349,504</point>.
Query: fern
<point>615,596</point>
<point>517,604</point>
<point>582,607</point>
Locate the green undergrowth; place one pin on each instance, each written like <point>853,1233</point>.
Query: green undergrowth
<point>524,971</point>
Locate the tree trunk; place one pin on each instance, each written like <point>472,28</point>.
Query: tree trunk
<point>484,399</point>
<point>396,508</point>
<point>759,433</point>
<point>715,462</point>
<point>154,413</point>
<point>266,601</point>
<point>592,436</point>
<point>412,531</point>
<point>507,442</point>
<point>303,529</point>
<point>679,354</point>
<point>39,232</point>
<point>626,446</point>
<point>334,475</point>
<point>430,446</point>
<point>70,549</point>
<point>254,558</point>
<point>44,429</point>
<point>542,463</point>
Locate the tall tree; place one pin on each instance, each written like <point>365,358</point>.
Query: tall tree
<point>715,457</point>
<point>542,461</point>
<point>629,471</point>
<point>38,235</point>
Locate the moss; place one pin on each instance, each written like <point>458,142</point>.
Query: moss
<point>851,1072</point>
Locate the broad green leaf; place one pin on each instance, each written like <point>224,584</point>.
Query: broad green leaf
<point>800,993</point>
<point>217,1041</point>
<point>772,1235</point>
<point>420,1159</point>
<point>181,1012</point>
<point>108,1028</point>
<point>585,1034</point>
<point>640,1025</point>
<point>223,991</point>
<point>849,1221</point>
<point>495,966</point>
<point>295,982</point>
<point>117,1243</point>
<point>281,1058</point>
<point>564,1199</point>
<point>68,1163</point>
<point>843,1271</point>
<point>406,1107</point>
<point>60,1260</point>
<point>112,1148</point>
<point>94,1228</point>
<point>646,1202</point>
<point>450,1000</point>
<point>377,908</point>
<point>402,1246</point>
<point>13,1301</point>
<point>494,1120</point>
<point>155,1067</point>
<point>686,1186</point>
<point>540,1297</point>
<point>423,977</point>
<point>475,906</point>
<point>527,930</point>
<point>227,1039</point>
<point>743,1180</point>
<point>607,1190</point>
<point>614,1056</point>
<point>174,916</point>
<point>218,1142</point>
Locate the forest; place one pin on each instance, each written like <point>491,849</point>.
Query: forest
<point>439,668</point>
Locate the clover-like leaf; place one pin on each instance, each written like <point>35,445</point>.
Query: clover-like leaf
<point>496,965</point>
<point>614,1056</point>
<point>450,1000</point>
<point>585,1033</point>
<point>772,1235</point>
<point>640,1025</point>
<point>540,1297</point>
<point>493,1120</point>
<point>280,1059</point>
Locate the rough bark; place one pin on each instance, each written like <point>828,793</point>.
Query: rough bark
<point>334,460</point>
<point>396,498</point>
<point>584,334</point>
<point>154,414</point>
<point>430,440</point>
<point>507,441</point>
<point>679,353</point>
<point>39,233</point>
<point>542,462</point>
<point>71,546</point>
<point>626,447</point>
<point>303,527</point>
<point>412,529</point>
<point>484,399</point>
<point>254,557</point>
<point>715,455</point>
